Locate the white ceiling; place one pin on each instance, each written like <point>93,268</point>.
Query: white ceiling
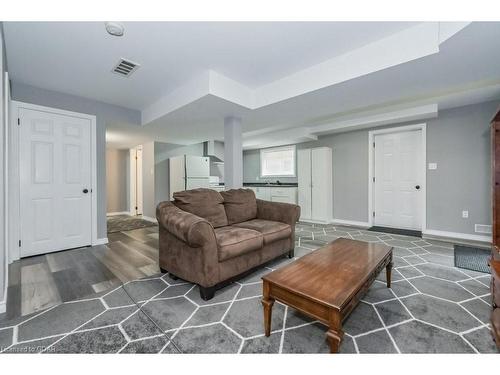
<point>76,58</point>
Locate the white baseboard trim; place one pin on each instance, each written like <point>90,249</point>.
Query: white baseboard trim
<point>152,219</point>
<point>101,241</point>
<point>352,223</point>
<point>118,213</point>
<point>455,236</point>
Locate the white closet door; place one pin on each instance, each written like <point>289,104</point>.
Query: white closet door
<point>55,182</point>
<point>304,183</point>
<point>321,178</point>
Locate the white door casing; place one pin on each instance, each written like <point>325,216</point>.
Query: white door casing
<point>55,168</point>
<point>398,184</point>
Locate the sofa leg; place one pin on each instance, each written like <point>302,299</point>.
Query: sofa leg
<point>207,293</point>
<point>291,253</point>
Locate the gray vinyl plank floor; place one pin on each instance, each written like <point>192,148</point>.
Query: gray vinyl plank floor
<point>40,282</point>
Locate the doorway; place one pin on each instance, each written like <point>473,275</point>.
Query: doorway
<point>397,178</point>
<point>136,181</point>
<point>56,175</point>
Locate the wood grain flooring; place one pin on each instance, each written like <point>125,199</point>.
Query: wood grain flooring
<point>42,281</point>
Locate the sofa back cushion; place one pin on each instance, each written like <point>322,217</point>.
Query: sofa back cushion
<point>240,205</point>
<point>205,203</point>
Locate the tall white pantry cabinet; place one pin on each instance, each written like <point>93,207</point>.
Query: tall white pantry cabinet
<point>314,172</point>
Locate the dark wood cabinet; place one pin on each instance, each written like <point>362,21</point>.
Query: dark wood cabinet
<point>495,248</point>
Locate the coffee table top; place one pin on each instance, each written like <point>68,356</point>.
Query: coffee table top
<point>332,274</point>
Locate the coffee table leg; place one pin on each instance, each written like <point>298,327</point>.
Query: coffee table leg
<point>267,303</point>
<point>335,333</point>
<point>388,273</point>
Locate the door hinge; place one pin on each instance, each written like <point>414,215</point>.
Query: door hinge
<point>373,179</point>
<point>18,121</point>
<point>136,208</point>
<point>373,144</point>
<point>19,243</point>
<point>373,214</point>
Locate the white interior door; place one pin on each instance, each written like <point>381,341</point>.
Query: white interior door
<point>304,183</point>
<point>55,182</point>
<point>398,190</point>
<point>133,181</point>
<point>138,181</point>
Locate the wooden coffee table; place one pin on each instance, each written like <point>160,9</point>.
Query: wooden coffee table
<point>328,283</point>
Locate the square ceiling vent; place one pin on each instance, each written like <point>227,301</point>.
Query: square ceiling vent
<point>125,67</point>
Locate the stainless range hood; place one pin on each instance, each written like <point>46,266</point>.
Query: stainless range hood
<point>214,150</point>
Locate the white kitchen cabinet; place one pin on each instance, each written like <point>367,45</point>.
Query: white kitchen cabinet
<point>285,194</point>
<point>314,174</point>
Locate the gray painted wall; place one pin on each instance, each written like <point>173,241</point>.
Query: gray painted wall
<point>117,180</point>
<point>148,180</point>
<point>457,140</point>
<point>105,114</point>
<point>3,126</point>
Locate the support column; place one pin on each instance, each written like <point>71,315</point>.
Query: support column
<point>233,153</point>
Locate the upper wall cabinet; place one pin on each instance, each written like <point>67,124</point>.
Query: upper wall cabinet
<point>314,174</point>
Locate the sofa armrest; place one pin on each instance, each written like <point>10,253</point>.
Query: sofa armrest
<point>187,227</point>
<point>276,211</point>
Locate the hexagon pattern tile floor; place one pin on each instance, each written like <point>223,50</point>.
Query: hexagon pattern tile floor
<point>432,307</point>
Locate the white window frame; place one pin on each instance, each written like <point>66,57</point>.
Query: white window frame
<point>282,148</point>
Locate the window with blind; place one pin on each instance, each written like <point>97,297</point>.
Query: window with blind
<point>277,162</point>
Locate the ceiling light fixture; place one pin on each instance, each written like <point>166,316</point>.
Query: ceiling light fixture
<point>114,28</point>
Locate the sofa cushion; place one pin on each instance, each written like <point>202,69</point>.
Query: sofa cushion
<point>232,241</point>
<point>205,203</point>
<point>240,205</point>
<point>272,230</point>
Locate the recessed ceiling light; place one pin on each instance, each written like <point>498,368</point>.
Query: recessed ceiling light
<point>114,28</point>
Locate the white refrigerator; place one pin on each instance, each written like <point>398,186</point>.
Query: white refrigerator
<point>188,172</point>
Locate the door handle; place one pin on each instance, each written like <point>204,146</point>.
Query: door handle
<point>85,191</point>
<point>417,187</point>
